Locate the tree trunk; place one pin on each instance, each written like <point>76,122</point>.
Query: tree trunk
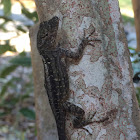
<point>100,82</point>
<point>136,8</point>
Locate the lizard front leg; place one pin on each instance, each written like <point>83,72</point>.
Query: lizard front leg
<point>79,113</point>
<point>78,54</point>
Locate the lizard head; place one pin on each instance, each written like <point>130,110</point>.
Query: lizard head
<point>46,37</point>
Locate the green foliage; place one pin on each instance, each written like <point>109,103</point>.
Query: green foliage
<point>31,15</point>
<point>6,20</point>
<point>135,56</point>
<point>5,87</point>
<point>7,70</point>
<point>6,47</point>
<point>2,114</point>
<point>13,99</point>
<point>127,19</point>
<point>21,61</point>
<point>135,64</point>
<point>9,104</point>
<point>138,94</point>
<point>30,114</point>
<point>125,4</point>
<point>7,7</point>
<point>20,28</point>
<point>14,63</point>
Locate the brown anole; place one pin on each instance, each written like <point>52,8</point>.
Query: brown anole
<point>56,76</point>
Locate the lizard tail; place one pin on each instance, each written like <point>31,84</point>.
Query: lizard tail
<point>60,121</point>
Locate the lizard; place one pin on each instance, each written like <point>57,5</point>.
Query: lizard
<point>56,76</point>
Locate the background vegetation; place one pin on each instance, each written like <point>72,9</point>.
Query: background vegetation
<point>17,115</point>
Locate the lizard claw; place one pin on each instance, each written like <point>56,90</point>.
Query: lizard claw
<point>91,44</point>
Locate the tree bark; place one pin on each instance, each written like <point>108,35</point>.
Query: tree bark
<point>136,9</point>
<point>101,82</point>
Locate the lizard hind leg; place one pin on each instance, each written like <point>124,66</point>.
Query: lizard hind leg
<point>79,120</point>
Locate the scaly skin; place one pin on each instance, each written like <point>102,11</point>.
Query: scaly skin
<point>56,77</point>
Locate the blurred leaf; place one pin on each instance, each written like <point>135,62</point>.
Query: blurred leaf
<point>36,131</point>
<point>5,48</point>
<point>125,4</point>
<point>7,70</point>
<point>2,114</point>
<point>127,19</point>
<point>2,27</point>
<point>7,7</point>
<point>31,15</point>
<point>35,17</point>
<point>138,94</point>
<point>132,49</point>
<point>21,61</point>
<point>7,85</point>
<point>4,88</point>
<point>11,101</point>
<point>2,80</point>
<point>22,53</point>
<point>26,12</point>
<point>30,114</point>
<point>20,28</point>
<point>22,136</point>
<point>136,77</point>
<point>24,97</point>
<point>136,61</point>
<point>7,19</point>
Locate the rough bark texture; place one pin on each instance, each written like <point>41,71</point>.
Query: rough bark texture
<point>101,82</point>
<point>46,127</point>
<point>136,8</point>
